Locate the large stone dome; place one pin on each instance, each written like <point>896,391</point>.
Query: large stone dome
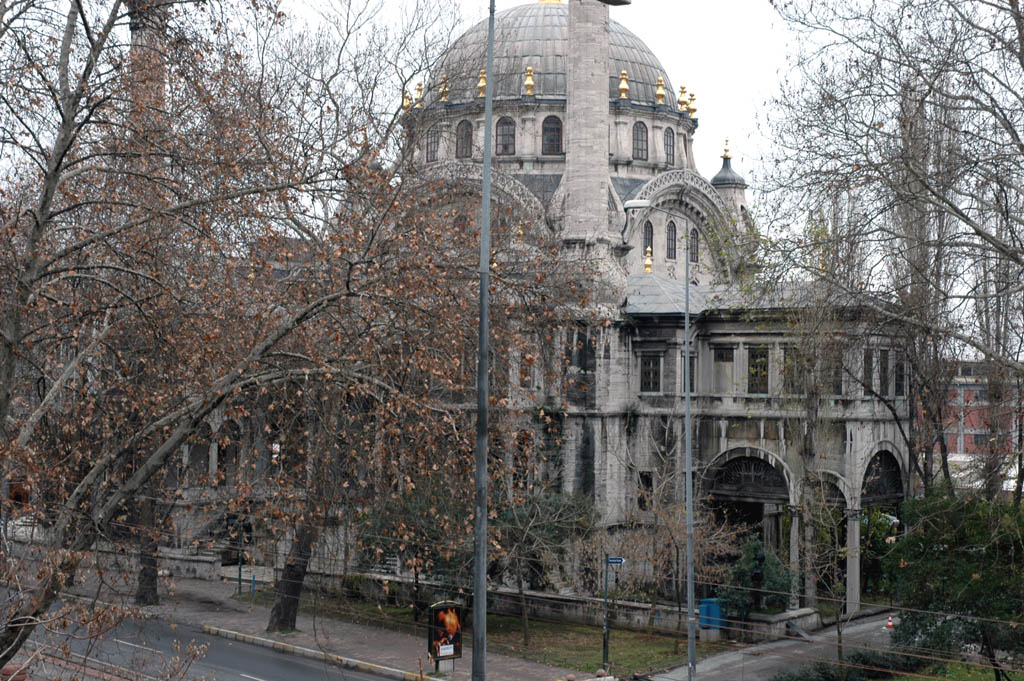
<point>537,35</point>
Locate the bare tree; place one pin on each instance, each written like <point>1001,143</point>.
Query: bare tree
<point>913,107</point>
<point>152,172</point>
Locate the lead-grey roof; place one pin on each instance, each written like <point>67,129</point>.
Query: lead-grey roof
<point>626,187</point>
<point>537,35</point>
<point>541,185</point>
<point>655,294</point>
<point>727,176</point>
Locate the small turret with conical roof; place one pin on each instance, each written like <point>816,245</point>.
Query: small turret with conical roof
<point>730,184</point>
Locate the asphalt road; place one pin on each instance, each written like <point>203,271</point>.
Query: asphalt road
<point>151,647</point>
<point>761,662</point>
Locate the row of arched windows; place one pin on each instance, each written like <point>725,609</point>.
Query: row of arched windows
<point>504,138</point>
<point>551,140</point>
<point>640,143</point>
<point>671,237</point>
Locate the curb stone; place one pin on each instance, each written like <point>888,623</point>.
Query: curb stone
<point>312,654</point>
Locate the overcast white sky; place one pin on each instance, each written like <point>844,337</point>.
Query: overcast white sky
<point>729,53</point>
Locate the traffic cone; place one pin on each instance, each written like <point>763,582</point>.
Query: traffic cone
<point>889,624</point>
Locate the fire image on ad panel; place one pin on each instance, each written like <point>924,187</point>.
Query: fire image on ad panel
<point>445,632</point>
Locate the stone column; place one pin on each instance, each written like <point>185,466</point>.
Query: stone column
<point>656,143</point>
<point>794,557</point>
<point>478,137</point>
<point>586,122</point>
<point>529,142</point>
<point>211,473</point>
<point>853,562</point>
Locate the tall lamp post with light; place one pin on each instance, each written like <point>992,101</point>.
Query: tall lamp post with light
<point>482,392</point>
<point>691,620</point>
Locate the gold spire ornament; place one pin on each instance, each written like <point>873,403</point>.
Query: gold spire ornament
<point>406,101</point>
<point>528,81</point>
<point>682,98</point>
<point>481,85</point>
<point>648,261</point>
<point>623,86</point>
<point>726,154</point>
<point>444,88</point>
<point>419,96</point>
<point>660,92</point>
<point>690,107</point>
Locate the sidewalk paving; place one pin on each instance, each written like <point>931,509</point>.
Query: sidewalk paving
<point>200,602</point>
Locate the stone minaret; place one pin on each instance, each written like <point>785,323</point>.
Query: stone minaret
<point>586,158</point>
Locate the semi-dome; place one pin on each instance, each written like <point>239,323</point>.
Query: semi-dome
<point>537,35</point>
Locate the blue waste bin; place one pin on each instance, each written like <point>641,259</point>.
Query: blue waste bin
<point>710,614</point>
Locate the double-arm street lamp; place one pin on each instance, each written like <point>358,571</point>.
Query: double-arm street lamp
<point>691,621</point>
<point>480,506</point>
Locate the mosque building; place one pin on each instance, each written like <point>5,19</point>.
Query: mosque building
<point>585,120</point>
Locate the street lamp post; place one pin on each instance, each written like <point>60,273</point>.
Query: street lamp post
<point>482,392</point>
<point>691,620</point>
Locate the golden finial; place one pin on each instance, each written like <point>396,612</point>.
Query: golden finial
<point>648,261</point>
<point>406,101</point>
<point>726,154</point>
<point>419,96</point>
<point>623,86</point>
<point>660,92</point>
<point>690,107</point>
<point>519,232</point>
<point>528,81</point>
<point>444,88</point>
<point>682,98</point>
<point>481,84</point>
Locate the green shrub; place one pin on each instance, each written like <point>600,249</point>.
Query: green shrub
<point>758,581</point>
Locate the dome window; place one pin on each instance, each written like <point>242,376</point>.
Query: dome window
<point>670,241</point>
<point>505,144</point>
<point>648,239</point>
<point>464,140</point>
<point>694,245</point>
<point>551,141</point>
<point>433,139</point>
<point>639,141</point>
<point>670,146</point>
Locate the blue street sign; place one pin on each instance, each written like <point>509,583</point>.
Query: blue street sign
<point>616,560</point>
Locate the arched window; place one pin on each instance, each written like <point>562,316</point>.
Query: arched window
<point>433,138</point>
<point>464,140</point>
<point>670,146</point>
<point>670,241</point>
<point>551,139</point>
<point>694,246</point>
<point>648,239</point>
<point>505,142</point>
<point>639,141</point>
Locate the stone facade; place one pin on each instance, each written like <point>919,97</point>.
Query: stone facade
<point>622,417</point>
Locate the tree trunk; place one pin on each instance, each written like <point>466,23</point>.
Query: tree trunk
<point>1020,458</point>
<point>679,603</point>
<point>525,612</point>
<point>149,542</point>
<point>289,586</point>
